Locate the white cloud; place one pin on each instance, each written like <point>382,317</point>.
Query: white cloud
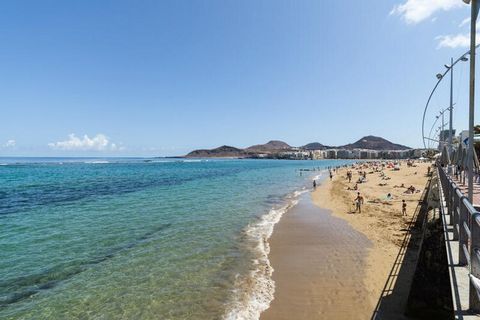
<point>461,40</point>
<point>10,143</point>
<point>464,22</point>
<point>100,142</point>
<point>415,11</point>
<point>453,41</point>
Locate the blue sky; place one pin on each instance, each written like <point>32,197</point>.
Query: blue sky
<point>152,78</point>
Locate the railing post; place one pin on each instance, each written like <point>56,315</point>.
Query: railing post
<point>455,215</point>
<point>462,234</point>
<point>450,195</point>
<point>474,301</point>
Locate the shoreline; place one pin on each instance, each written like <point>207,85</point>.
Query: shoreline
<point>311,269</point>
<point>380,222</point>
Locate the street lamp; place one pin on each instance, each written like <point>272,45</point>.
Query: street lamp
<point>440,77</point>
<point>450,129</point>
<point>440,113</point>
<point>473,32</point>
<point>473,298</point>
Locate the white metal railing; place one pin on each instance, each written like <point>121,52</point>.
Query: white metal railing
<point>465,220</point>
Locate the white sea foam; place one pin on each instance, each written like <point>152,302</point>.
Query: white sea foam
<point>97,162</point>
<point>254,293</point>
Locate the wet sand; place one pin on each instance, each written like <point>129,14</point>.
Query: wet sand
<point>334,264</point>
<point>318,262</point>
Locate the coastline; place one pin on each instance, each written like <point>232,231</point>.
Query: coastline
<point>380,223</point>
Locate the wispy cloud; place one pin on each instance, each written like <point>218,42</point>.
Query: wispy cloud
<point>461,40</point>
<point>464,22</point>
<point>453,41</point>
<point>415,11</point>
<point>100,142</point>
<point>10,143</point>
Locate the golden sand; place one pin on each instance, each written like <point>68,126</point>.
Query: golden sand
<point>334,266</point>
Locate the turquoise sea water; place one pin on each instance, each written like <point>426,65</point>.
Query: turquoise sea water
<point>141,239</point>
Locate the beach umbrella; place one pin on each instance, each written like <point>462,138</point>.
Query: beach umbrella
<point>459,155</point>
<point>464,158</point>
<point>476,163</point>
<point>445,158</point>
<point>458,152</point>
<point>453,156</point>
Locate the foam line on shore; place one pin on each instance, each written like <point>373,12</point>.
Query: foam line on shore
<point>254,292</point>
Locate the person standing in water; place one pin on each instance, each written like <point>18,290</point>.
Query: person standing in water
<point>314,184</point>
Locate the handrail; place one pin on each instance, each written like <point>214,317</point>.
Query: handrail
<point>466,221</point>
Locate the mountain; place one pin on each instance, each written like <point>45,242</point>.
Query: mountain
<point>374,143</point>
<point>274,148</point>
<point>271,146</point>
<point>314,146</point>
<point>220,152</point>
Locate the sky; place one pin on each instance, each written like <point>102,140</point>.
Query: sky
<point>160,78</point>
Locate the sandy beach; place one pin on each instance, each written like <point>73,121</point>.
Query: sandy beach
<point>332,263</point>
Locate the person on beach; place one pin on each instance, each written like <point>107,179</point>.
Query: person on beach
<point>314,184</point>
<point>404,208</point>
<point>358,203</point>
<point>410,190</point>
<point>331,175</point>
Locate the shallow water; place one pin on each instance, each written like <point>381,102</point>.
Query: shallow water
<point>127,238</point>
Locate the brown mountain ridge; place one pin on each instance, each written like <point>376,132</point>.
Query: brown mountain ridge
<point>276,146</point>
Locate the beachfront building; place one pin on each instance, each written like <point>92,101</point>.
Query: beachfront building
<point>331,154</point>
<point>366,154</point>
<point>295,155</point>
<point>319,154</point>
<point>344,154</point>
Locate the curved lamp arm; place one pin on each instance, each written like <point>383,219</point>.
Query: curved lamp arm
<point>462,57</point>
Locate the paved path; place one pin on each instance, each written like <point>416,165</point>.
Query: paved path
<point>464,189</point>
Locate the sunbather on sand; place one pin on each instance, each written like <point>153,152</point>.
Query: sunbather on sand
<point>410,190</point>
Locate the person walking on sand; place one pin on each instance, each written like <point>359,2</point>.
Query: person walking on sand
<point>404,208</point>
<point>331,175</point>
<point>358,203</point>
<point>314,184</point>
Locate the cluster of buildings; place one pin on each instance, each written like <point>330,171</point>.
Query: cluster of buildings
<point>462,138</point>
<point>349,154</point>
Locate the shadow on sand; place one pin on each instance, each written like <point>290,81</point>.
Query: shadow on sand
<point>405,281</point>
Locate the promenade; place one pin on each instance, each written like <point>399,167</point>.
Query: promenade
<point>462,241</point>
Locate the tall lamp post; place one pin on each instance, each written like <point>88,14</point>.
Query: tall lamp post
<point>473,298</point>
<point>450,127</point>
<point>473,23</point>
<point>440,77</point>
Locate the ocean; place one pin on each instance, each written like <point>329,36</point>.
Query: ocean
<point>142,238</point>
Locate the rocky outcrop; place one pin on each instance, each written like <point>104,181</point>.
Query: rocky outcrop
<point>271,146</point>
<point>220,152</point>
<point>374,143</point>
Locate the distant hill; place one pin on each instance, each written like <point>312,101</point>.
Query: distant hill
<point>220,152</point>
<point>271,146</point>
<point>314,146</point>
<point>274,148</point>
<point>374,143</point>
